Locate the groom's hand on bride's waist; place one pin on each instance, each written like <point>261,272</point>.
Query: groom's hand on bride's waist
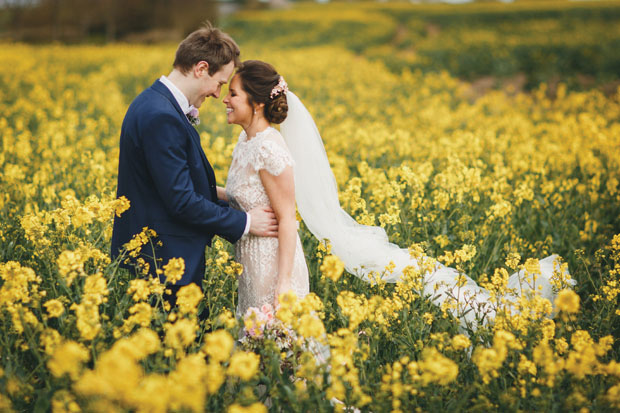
<point>263,222</point>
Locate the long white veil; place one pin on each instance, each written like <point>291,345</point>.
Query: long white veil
<point>362,248</point>
<point>366,249</point>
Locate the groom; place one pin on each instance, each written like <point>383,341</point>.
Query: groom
<point>164,172</point>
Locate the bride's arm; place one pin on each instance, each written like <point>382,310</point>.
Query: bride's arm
<point>281,192</point>
<point>221,194</point>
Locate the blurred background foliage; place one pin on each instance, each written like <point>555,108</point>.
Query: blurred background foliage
<point>514,46</point>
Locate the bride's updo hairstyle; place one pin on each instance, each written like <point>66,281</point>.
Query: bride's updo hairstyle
<point>258,80</point>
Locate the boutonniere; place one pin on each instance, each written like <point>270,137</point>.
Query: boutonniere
<point>192,116</point>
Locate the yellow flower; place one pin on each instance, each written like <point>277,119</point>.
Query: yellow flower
<point>436,368</point>
<point>488,361</point>
<point>532,266</point>
<point>63,401</point>
<point>70,264</point>
<point>561,345</point>
<point>460,342</point>
<point>353,306</point>
<point>187,382</point>
<point>243,365</point>
<point>121,205</point>
<point>604,345</point>
<point>526,366</point>
<point>512,260</point>
<point>332,267</point>
<point>613,396</point>
<point>218,346</point>
<point>465,254</point>
<point>140,344</point>
<point>222,258</point>
<point>67,359</point>
<point>567,301</point>
<point>54,308</point>
<point>428,318</point>
<point>49,340</point>
<point>95,290</point>
<point>227,319</point>
<point>117,373</point>
<point>141,314</point>
<point>134,246</point>
<point>174,270</point>
<point>153,394</point>
<point>87,320</point>
<point>82,216</point>
<point>140,289</point>
<point>215,377</point>
<point>180,334</point>
<point>311,326</point>
<point>188,298</point>
<point>285,313</point>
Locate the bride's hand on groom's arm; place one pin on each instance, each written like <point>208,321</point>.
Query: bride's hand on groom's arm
<point>263,222</point>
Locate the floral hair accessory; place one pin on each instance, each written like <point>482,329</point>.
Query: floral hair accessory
<point>281,87</point>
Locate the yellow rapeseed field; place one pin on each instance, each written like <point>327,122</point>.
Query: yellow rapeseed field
<point>487,185</point>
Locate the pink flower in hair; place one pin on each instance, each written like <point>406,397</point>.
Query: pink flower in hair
<point>281,87</point>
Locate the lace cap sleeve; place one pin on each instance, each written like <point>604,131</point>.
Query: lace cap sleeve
<point>273,157</point>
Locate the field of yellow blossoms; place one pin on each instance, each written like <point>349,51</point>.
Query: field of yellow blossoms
<point>486,185</point>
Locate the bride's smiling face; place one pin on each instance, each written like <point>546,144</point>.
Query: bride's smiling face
<point>238,108</point>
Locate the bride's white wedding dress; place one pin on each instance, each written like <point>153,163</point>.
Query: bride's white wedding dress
<point>259,255</point>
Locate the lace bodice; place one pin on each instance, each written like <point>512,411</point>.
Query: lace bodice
<point>244,188</point>
<point>268,151</point>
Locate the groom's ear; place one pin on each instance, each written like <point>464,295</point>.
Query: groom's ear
<point>201,68</point>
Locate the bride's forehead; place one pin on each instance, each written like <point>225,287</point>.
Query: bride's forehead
<point>235,83</point>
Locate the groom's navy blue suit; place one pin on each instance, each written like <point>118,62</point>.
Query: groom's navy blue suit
<point>170,184</point>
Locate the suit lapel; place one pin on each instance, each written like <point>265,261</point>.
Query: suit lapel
<point>205,161</point>
<point>162,89</point>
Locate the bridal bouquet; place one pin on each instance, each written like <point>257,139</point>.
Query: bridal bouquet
<point>260,325</point>
<point>263,329</point>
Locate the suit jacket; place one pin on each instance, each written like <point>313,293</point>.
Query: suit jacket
<point>170,184</point>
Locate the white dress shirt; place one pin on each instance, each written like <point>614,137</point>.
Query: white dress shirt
<point>186,107</point>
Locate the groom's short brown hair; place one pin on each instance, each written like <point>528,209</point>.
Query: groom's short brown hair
<point>209,44</point>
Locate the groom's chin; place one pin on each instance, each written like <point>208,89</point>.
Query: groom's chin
<point>199,102</point>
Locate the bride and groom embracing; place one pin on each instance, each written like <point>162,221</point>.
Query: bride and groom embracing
<point>171,186</point>
<point>166,176</point>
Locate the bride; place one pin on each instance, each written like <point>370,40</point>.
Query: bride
<point>261,173</point>
<point>278,168</point>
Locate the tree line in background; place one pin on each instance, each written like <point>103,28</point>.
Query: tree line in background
<point>103,20</point>
<point>127,20</point>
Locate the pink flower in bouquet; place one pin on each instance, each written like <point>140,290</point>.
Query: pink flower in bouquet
<point>254,322</point>
<point>267,311</point>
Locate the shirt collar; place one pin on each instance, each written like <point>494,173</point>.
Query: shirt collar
<point>178,95</point>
